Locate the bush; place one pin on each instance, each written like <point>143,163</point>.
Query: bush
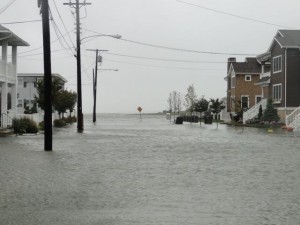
<point>71,119</point>
<point>24,125</point>
<point>41,125</point>
<point>59,123</point>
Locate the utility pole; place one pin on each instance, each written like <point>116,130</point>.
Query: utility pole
<point>43,4</point>
<point>95,79</point>
<point>78,57</point>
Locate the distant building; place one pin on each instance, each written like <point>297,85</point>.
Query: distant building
<point>27,91</point>
<point>8,74</point>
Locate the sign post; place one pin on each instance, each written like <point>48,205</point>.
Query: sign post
<point>140,110</point>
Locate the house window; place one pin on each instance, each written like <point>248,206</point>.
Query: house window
<point>245,102</point>
<point>25,84</point>
<point>20,102</point>
<point>277,92</point>
<point>277,64</point>
<point>233,80</point>
<point>258,98</point>
<point>20,82</point>
<point>248,78</point>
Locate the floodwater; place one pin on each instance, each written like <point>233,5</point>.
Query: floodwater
<point>127,171</point>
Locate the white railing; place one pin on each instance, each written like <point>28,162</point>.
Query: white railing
<point>8,72</point>
<point>293,118</point>
<point>252,112</point>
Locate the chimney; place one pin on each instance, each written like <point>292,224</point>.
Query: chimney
<point>229,61</point>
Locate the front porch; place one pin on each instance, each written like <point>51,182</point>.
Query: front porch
<point>9,43</point>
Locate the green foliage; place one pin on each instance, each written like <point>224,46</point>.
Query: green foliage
<point>270,114</point>
<point>56,86</point>
<point>260,112</point>
<point>70,119</point>
<point>65,100</point>
<point>41,125</point>
<point>216,107</point>
<point>201,105</point>
<point>59,123</point>
<point>24,125</point>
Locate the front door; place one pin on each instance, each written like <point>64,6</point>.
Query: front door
<point>245,102</point>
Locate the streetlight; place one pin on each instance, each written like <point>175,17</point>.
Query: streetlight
<point>117,36</point>
<point>79,93</point>
<point>95,90</point>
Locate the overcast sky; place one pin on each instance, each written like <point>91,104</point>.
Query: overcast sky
<point>215,26</point>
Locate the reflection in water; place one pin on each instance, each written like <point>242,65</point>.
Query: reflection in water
<point>124,170</point>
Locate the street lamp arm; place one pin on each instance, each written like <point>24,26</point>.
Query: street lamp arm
<point>117,36</point>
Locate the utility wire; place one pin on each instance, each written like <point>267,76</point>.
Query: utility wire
<point>178,49</point>
<point>164,67</point>
<point>161,59</point>
<point>26,21</point>
<point>233,15</point>
<point>59,36</point>
<point>63,23</point>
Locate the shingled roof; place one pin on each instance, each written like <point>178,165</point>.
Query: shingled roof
<point>246,67</point>
<point>10,37</point>
<point>288,38</point>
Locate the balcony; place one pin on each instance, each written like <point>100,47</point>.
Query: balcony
<point>7,72</point>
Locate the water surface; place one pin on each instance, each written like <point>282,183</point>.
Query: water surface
<point>123,171</point>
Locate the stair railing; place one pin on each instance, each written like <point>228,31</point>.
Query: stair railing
<point>291,119</point>
<point>6,121</point>
<point>253,111</point>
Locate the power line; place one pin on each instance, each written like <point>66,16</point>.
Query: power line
<point>59,36</point>
<point>180,49</point>
<point>26,21</point>
<point>63,23</point>
<point>163,67</point>
<point>233,15</point>
<point>162,59</point>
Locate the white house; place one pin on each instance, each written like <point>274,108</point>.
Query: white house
<point>26,90</point>
<point>9,43</point>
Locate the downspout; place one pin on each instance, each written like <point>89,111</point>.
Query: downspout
<point>285,74</point>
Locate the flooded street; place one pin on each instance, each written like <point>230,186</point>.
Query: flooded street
<point>126,171</point>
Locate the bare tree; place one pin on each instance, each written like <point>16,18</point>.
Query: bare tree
<point>179,103</point>
<point>174,97</point>
<point>190,99</point>
<point>170,103</point>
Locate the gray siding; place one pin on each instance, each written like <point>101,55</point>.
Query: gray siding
<point>278,78</point>
<point>293,78</point>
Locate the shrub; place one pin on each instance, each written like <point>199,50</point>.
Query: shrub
<point>24,125</point>
<point>71,119</point>
<point>59,123</point>
<point>41,125</point>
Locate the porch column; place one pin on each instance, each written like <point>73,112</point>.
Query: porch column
<point>4,51</point>
<point>14,56</point>
<point>13,101</point>
<point>4,102</point>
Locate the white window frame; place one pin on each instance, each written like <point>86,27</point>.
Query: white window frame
<point>233,81</point>
<point>249,76</point>
<point>277,64</point>
<point>257,96</point>
<point>277,95</point>
<point>22,103</point>
<point>248,102</point>
<point>20,82</point>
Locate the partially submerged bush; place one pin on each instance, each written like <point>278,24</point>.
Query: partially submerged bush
<point>59,123</point>
<point>25,125</point>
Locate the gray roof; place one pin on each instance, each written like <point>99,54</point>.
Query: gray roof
<point>247,67</point>
<point>41,75</point>
<point>263,80</point>
<point>13,40</point>
<point>288,38</point>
